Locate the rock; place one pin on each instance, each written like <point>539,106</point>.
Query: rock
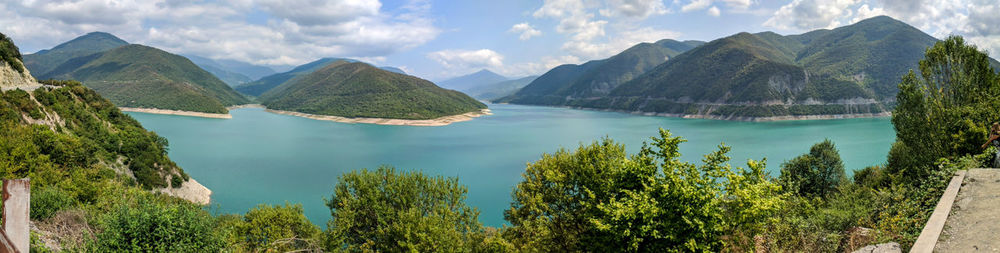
<point>890,247</point>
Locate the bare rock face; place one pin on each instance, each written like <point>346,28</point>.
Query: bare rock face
<point>10,78</point>
<point>890,247</point>
<point>191,191</point>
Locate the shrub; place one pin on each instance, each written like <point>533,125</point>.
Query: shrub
<point>48,200</point>
<point>156,226</point>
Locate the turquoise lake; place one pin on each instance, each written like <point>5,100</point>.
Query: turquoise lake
<point>260,157</point>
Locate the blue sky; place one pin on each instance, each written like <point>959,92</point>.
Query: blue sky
<point>441,39</point>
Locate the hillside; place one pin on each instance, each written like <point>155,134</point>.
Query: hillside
<point>264,84</point>
<point>471,81</point>
<point>848,70</point>
<point>141,76</point>
<point>354,89</point>
<point>598,77</point>
<point>42,62</point>
<point>500,89</point>
<point>227,76</point>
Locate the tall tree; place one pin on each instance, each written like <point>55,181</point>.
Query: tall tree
<point>946,112</point>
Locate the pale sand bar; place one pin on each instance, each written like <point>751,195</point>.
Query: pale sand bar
<point>396,122</point>
<point>176,112</point>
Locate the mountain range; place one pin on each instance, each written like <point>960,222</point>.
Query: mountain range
<point>132,75</point>
<point>848,70</point>
<point>499,89</point>
<point>355,89</point>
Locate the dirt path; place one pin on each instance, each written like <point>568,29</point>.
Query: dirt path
<point>974,223</point>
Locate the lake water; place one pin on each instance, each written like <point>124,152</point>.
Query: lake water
<point>260,157</point>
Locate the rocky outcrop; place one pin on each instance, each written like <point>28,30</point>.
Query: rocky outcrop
<point>10,78</point>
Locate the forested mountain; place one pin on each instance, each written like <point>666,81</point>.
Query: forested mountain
<point>258,87</point>
<point>847,70</point>
<point>598,77</point>
<point>43,61</point>
<point>470,81</point>
<point>355,89</point>
<point>225,75</point>
<point>499,89</point>
<point>142,76</point>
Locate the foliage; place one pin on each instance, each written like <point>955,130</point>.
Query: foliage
<point>141,76</point>
<point>816,173</point>
<point>361,90</point>
<point>276,229</point>
<point>9,53</point>
<point>48,200</point>
<point>394,211</point>
<point>154,226</point>
<point>599,199</point>
<point>944,114</point>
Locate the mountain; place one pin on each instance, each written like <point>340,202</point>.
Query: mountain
<point>848,70</point>
<point>42,62</point>
<point>256,88</point>
<point>229,77</point>
<point>499,89</point>
<point>355,89</point>
<point>597,78</point>
<point>252,71</point>
<point>482,77</point>
<point>393,70</point>
<point>142,76</point>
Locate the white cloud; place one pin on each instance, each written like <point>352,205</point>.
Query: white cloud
<point>810,14</point>
<point>714,11</point>
<point>467,59</point>
<point>295,32</point>
<point>696,5</point>
<point>525,30</point>
<point>639,9</point>
<point>624,40</point>
<point>865,12</point>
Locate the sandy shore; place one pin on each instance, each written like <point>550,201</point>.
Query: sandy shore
<point>176,112</point>
<point>442,121</point>
<point>246,106</point>
<point>191,191</point>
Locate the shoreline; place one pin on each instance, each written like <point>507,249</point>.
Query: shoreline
<point>177,112</point>
<point>442,121</point>
<point>733,118</point>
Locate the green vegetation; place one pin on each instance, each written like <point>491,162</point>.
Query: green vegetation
<point>390,211</point>
<point>141,76</point>
<point>849,70</point>
<point>597,78</point>
<point>946,113</point>
<point>265,84</point>
<point>361,90</point>
<point>596,198</point>
<point>599,198</point>
<point>45,61</point>
<point>9,53</point>
<point>817,173</point>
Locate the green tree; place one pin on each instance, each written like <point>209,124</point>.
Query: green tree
<point>276,229</point>
<point>946,112</point>
<point>386,210</point>
<point>816,173</point>
<point>600,199</point>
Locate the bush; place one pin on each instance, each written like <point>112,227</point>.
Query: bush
<point>277,229</point>
<point>156,226</point>
<point>48,200</point>
<point>392,211</point>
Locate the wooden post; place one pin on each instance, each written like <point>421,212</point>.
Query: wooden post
<point>16,205</point>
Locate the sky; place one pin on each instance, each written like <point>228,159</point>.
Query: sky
<point>437,40</point>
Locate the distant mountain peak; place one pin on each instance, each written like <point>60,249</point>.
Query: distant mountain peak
<point>478,78</point>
